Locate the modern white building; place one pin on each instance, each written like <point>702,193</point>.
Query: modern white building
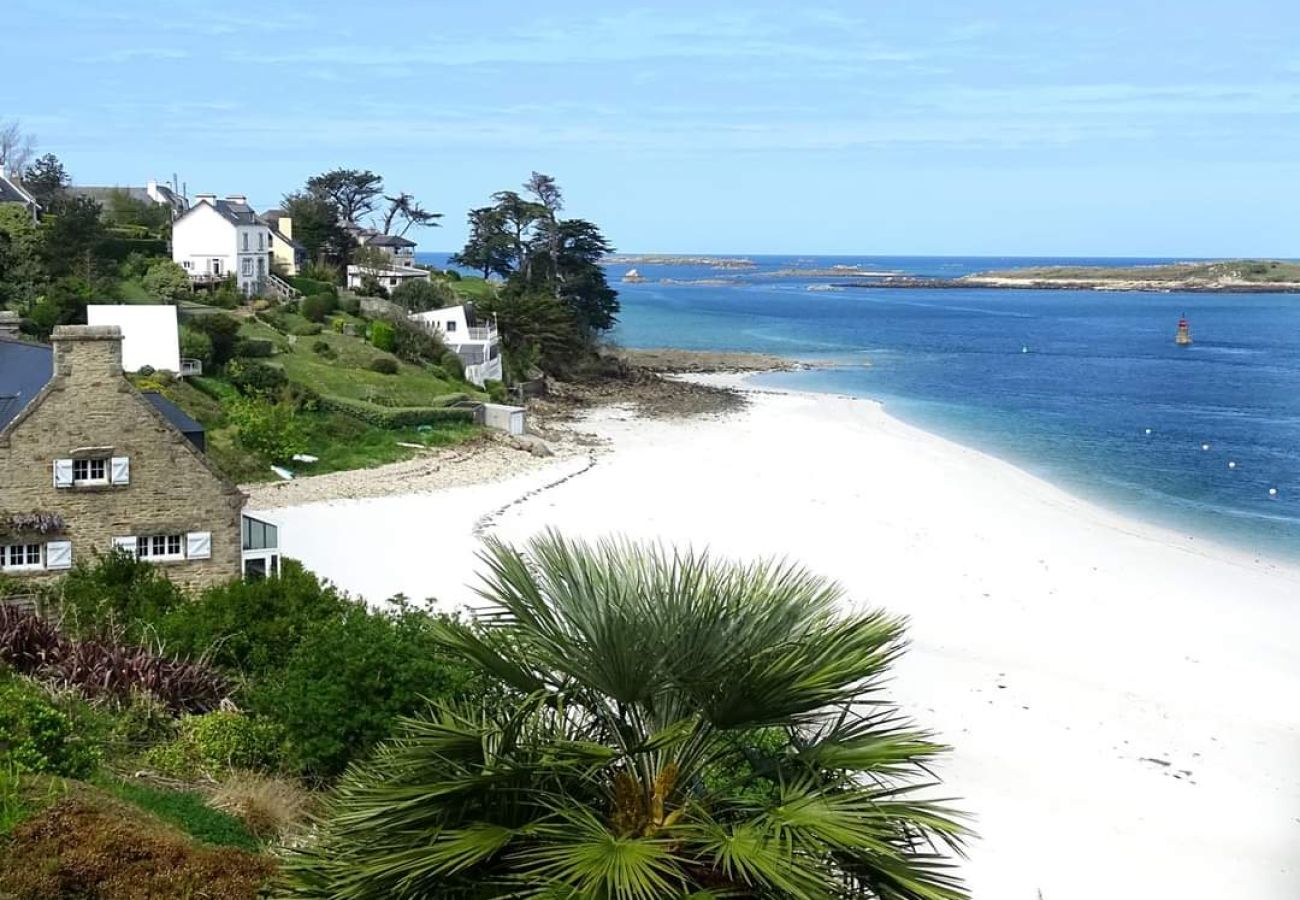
<point>388,278</point>
<point>150,336</point>
<point>218,239</point>
<point>475,341</point>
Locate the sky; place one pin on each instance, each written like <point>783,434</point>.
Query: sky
<point>1111,127</point>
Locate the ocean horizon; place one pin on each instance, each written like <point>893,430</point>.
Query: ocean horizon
<point>1083,388</point>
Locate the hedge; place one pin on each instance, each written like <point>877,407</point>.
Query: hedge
<point>398,416</point>
<point>119,248</point>
<point>311,287</point>
<point>254,348</point>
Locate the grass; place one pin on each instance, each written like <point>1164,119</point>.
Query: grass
<point>1254,271</point>
<point>471,287</point>
<point>186,810</point>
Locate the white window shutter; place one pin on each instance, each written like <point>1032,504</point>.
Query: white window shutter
<point>120,470</point>
<point>198,545</point>
<point>124,543</point>
<point>58,555</point>
<point>62,473</point>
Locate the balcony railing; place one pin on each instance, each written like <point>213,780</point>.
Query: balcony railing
<point>481,333</point>
<point>191,367</point>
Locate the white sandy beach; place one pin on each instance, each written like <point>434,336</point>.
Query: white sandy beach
<point>1123,700</point>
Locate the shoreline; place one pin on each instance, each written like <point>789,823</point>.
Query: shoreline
<point>1109,686</point>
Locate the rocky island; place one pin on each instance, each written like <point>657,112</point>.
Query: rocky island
<point>668,259</point>
<point>1228,276</point>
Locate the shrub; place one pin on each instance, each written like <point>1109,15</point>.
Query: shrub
<point>321,272</point>
<point>383,336</point>
<point>415,343</point>
<point>311,286</point>
<point>451,275</point>
<point>385,365</point>
<point>222,329</point>
<point>196,345</point>
<point>252,627</point>
<point>217,742</point>
<point>350,305</point>
<point>256,379</point>
<point>370,287</point>
<point>392,417</point>
<point>36,737</point>
<point>314,308</point>
<point>496,391</point>
<point>117,591</point>
<point>268,806</point>
<point>167,280</point>
<point>452,365</point>
<point>338,325</point>
<point>254,348</point>
<point>267,429</point>
<point>418,296</point>
<point>306,329</point>
<point>344,686</point>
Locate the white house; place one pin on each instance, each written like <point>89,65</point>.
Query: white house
<point>149,335</point>
<point>476,342</point>
<point>389,278</point>
<point>217,239</point>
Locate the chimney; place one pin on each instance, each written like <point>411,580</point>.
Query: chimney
<point>87,354</point>
<point>205,198</point>
<point>285,227</point>
<point>8,324</point>
<point>236,198</point>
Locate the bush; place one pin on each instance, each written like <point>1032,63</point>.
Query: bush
<point>418,296</point>
<point>311,287</point>
<point>385,365</point>
<point>251,627</point>
<point>338,325</point>
<point>392,417</point>
<point>267,429</point>
<point>370,287</point>
<point>254,348</point>
<point>496,391</point>
<point>145,371</point>
<point>324,349</point>
<point>314,308</point>
<point>167,280</point>
<point>36,737</point>
<point>344,686</point>
<point>383,336</point>
<point>257,379</point>
<point>116,592</point>
<point>217,742</point>
<point>196,345</point>
<point>307,329</point>
<point>222,329</point>
<point>452,365</point>
<point>269,807</point>
<point>452,275</point>
<point>350,305</point>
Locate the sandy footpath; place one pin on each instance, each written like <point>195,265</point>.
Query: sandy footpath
<point>1124,701</point>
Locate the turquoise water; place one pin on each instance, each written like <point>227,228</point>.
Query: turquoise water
<point>1100,370</point>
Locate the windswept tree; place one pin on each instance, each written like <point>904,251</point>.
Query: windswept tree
<point>546,194</point>
<point>489,249</point>
<point>667,726</point>
<point>317,226</point>
<point>518,217</point>
<point>404,212</point>
<point>17,147</point>
<point>354,192</point>
<point>47,180</point>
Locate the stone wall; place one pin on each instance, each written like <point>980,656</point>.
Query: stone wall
<point>89,409</point>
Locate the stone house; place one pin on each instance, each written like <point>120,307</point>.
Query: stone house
<point>88,463</point>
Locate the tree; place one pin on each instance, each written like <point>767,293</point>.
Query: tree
<point>546,194</point>
<point>121,209</point>
<point>167,280</point>
<point>417,295</point>
<point>518,218</point>
<point>22,273</point>
<point>580,278</point>
<point>669,726</point>
<point>73,240</point>
<point>316,225</point>
<point>47,180</point>
<point>352,191</point>
<point>405,210</point>
<point>16,146</point>
<point>537,332</point>
<point>489,249</point>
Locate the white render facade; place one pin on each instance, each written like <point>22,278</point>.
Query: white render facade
<point>217,239</point>
<point>478,344</point>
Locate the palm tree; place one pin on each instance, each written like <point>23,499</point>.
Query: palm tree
<point>668,725</point>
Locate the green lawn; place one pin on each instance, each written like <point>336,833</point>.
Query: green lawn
<point>471,287</point>
<point>186,810</point>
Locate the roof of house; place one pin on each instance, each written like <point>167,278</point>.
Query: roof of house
<point>25,368</point>
<point>13,192</point>
<point>101,193</point>
<point>389,240</point>
<point>279,236</point>
<point>233,212</point>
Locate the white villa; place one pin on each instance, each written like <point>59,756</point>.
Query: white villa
<point>477,343</point>
<point>389,278</point>
<point>216,239</point>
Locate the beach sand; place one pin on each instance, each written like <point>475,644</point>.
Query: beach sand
<point>1122,699</point>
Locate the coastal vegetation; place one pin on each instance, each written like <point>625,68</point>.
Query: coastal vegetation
<point>1250,271</point>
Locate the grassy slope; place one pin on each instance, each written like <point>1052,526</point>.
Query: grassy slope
<point>1247,270</point>
<point>471,287</point>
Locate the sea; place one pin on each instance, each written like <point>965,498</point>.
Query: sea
<point>1084,388</point>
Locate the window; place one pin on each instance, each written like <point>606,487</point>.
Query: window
<point>261,266</point>
<point>187,264</point>
<point>260,239</point>
<point>248,266</point>
<point>159,546</point>
<point>20,556</point>
<point>451,326</point>
<point>89,471</point>
<point>245,240</point>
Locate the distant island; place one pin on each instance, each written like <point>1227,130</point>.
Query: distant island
<point>667,259</point>
<point>1227,276</point>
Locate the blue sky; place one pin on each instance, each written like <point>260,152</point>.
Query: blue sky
<point>1106,127</point>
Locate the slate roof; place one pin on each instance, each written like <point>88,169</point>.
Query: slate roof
<point>232,212</point>
<point>25,368</point>
<point>13,192</point>
<point>389,240</point>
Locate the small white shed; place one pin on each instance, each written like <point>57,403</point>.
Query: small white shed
<point>150,336</point>
<point>509,419</point>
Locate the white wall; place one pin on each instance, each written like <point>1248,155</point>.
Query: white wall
<point>208,241</point>
<point>450,321</point>
<point>149,334</point>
